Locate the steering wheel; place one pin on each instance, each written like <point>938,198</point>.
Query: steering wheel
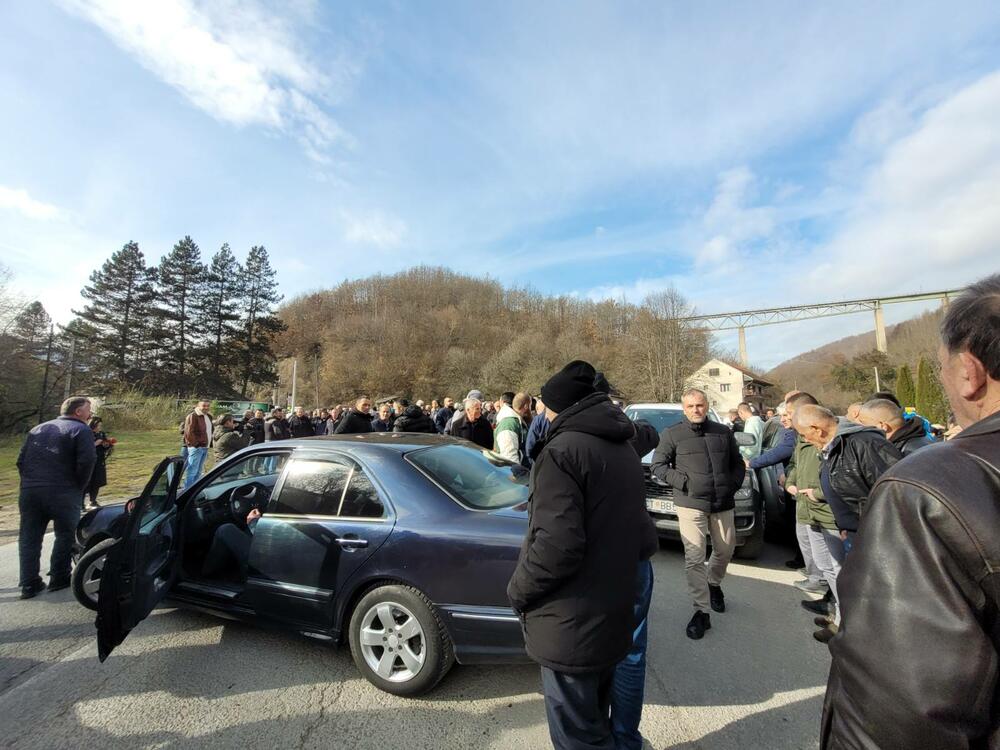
<point>245,498</point>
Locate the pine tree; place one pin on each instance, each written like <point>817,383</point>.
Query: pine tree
<point>258,324</point>
<point>31,329</point>
<point>180,279</point>
<point>120,296</point>
<point>905,390</point>
<point>218,308</point>
<point>930,398</point>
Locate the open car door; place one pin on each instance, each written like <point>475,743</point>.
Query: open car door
<point>141,567</point>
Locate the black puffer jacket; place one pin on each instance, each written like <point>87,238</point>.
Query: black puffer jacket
<point>702,463</point>
<point>254,428</point>
<point>852,463</point>
<point>587,531</point>
<point>910,437</point>
<point>276,429</point>
<point>301,426</point>
<point>413,419</point>
<point>353,422</point>
<point>916,663</point>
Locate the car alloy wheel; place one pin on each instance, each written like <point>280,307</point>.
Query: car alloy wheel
<point>86,578</point>
<point>398,641</point>
<point>392,642</point>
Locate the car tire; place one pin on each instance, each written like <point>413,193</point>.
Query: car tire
<point>415,634</point>
<point>86,579</point>
<point>754,545</point>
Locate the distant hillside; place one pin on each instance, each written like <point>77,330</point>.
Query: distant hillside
<point>810,371</point>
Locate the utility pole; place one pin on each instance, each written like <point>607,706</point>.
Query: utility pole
<point>295,373</point>
<point>45,378</point>
<point>69,369</point>
<point>878,385</point>
<point>880,340</point>
<point>743,347</point>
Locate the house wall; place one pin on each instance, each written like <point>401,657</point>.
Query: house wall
<point>725,390</point>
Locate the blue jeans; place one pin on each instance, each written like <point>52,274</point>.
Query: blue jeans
<point>627,688</point>
<point>194,464</point>
<point>38,506</point>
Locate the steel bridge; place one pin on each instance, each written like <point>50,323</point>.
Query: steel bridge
<point>772,316</point>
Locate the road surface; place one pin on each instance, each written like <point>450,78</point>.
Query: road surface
<point>184,679</point>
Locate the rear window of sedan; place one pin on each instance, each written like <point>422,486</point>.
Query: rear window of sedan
<point>479,479</point>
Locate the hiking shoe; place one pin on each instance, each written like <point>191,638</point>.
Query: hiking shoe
<point>716,597</point>
<point>698,625</point>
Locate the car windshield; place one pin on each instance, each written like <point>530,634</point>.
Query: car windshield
<point>661,419</point>
<point>478,478</point>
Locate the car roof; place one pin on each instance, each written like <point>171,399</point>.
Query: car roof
<point>677,407</point>
<point>394,441</point>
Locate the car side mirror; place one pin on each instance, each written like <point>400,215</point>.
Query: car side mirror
<point>745,439</point>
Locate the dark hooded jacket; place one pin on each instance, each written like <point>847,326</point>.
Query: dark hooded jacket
<point>852,463</point>
<point>910,437</point>
<point>702,462</point>
<point>916,663</point>
<point>442,417</point>
<point>587,531</point>
<point>353,422</point>
<point>413,419</point>
<point>253,429</point>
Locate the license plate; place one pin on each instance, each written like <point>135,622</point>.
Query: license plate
<point>660,506</point>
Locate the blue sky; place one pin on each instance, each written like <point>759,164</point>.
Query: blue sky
<point>752,155</point>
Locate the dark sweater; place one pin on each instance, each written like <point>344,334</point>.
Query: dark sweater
<point>58,454</point>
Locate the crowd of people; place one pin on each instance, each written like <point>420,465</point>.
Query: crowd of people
<point>896,532</point>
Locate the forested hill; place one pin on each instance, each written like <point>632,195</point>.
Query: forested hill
<point>814,371</point>
<point>429,332</point>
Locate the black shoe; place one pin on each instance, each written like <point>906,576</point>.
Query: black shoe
<point>822,622</point>
<point>58,584</point>
<point>29,592</point>
<point>698,625</point>
<point>828,596</point>
<point>826,634</point>
<point>817,606</point>
<point>716,597</point>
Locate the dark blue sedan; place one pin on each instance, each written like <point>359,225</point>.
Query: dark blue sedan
<point>399,544</point>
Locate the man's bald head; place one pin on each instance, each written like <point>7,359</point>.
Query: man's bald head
<point>853,410</point>
<point>883,414</point>
<point>790,394</point>
<point>816,424</point>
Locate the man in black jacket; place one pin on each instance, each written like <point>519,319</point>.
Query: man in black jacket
<point>907,435</point>
<point>413,419</point>
<point>700,459</point>
<point>917,661</point>
<point>471,425</point>
<point>300,424</point>
<point>357,419</point>
<point>587,531</point>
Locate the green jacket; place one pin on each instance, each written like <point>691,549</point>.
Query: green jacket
<point>803,472</point>
<point>509,435</point>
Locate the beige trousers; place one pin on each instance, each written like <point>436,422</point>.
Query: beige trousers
<point>695,524</point>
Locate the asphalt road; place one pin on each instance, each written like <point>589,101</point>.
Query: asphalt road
<point>184,679</point>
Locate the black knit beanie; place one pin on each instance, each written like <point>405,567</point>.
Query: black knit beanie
<point>572,383</point>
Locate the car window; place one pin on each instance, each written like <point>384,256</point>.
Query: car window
<point>361,499</point>
<point>478,478</point>
<point>261,469</point>
<point>661,419</point>
<point>312,488</point>
<point>157,501</point>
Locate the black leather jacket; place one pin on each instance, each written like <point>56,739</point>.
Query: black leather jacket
<point>854,460</point>
<point>916,663</point>
<point>911,437</point>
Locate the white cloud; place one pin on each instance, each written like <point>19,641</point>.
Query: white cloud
<point>375,229</point>
<point>17,199</point>
<point>236,61</point>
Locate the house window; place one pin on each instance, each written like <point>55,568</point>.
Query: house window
<point>713,372</point>
<point>724,387</point>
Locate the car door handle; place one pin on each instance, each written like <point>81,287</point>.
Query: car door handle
<point>351,542</point>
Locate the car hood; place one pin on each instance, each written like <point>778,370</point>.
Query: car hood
<point>98,521</point>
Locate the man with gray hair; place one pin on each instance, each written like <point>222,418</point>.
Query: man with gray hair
<point>700,459</point>
<point>471,425</point>
<point>917,661</point>
<point>55,464</point>
<point>906,434</point>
